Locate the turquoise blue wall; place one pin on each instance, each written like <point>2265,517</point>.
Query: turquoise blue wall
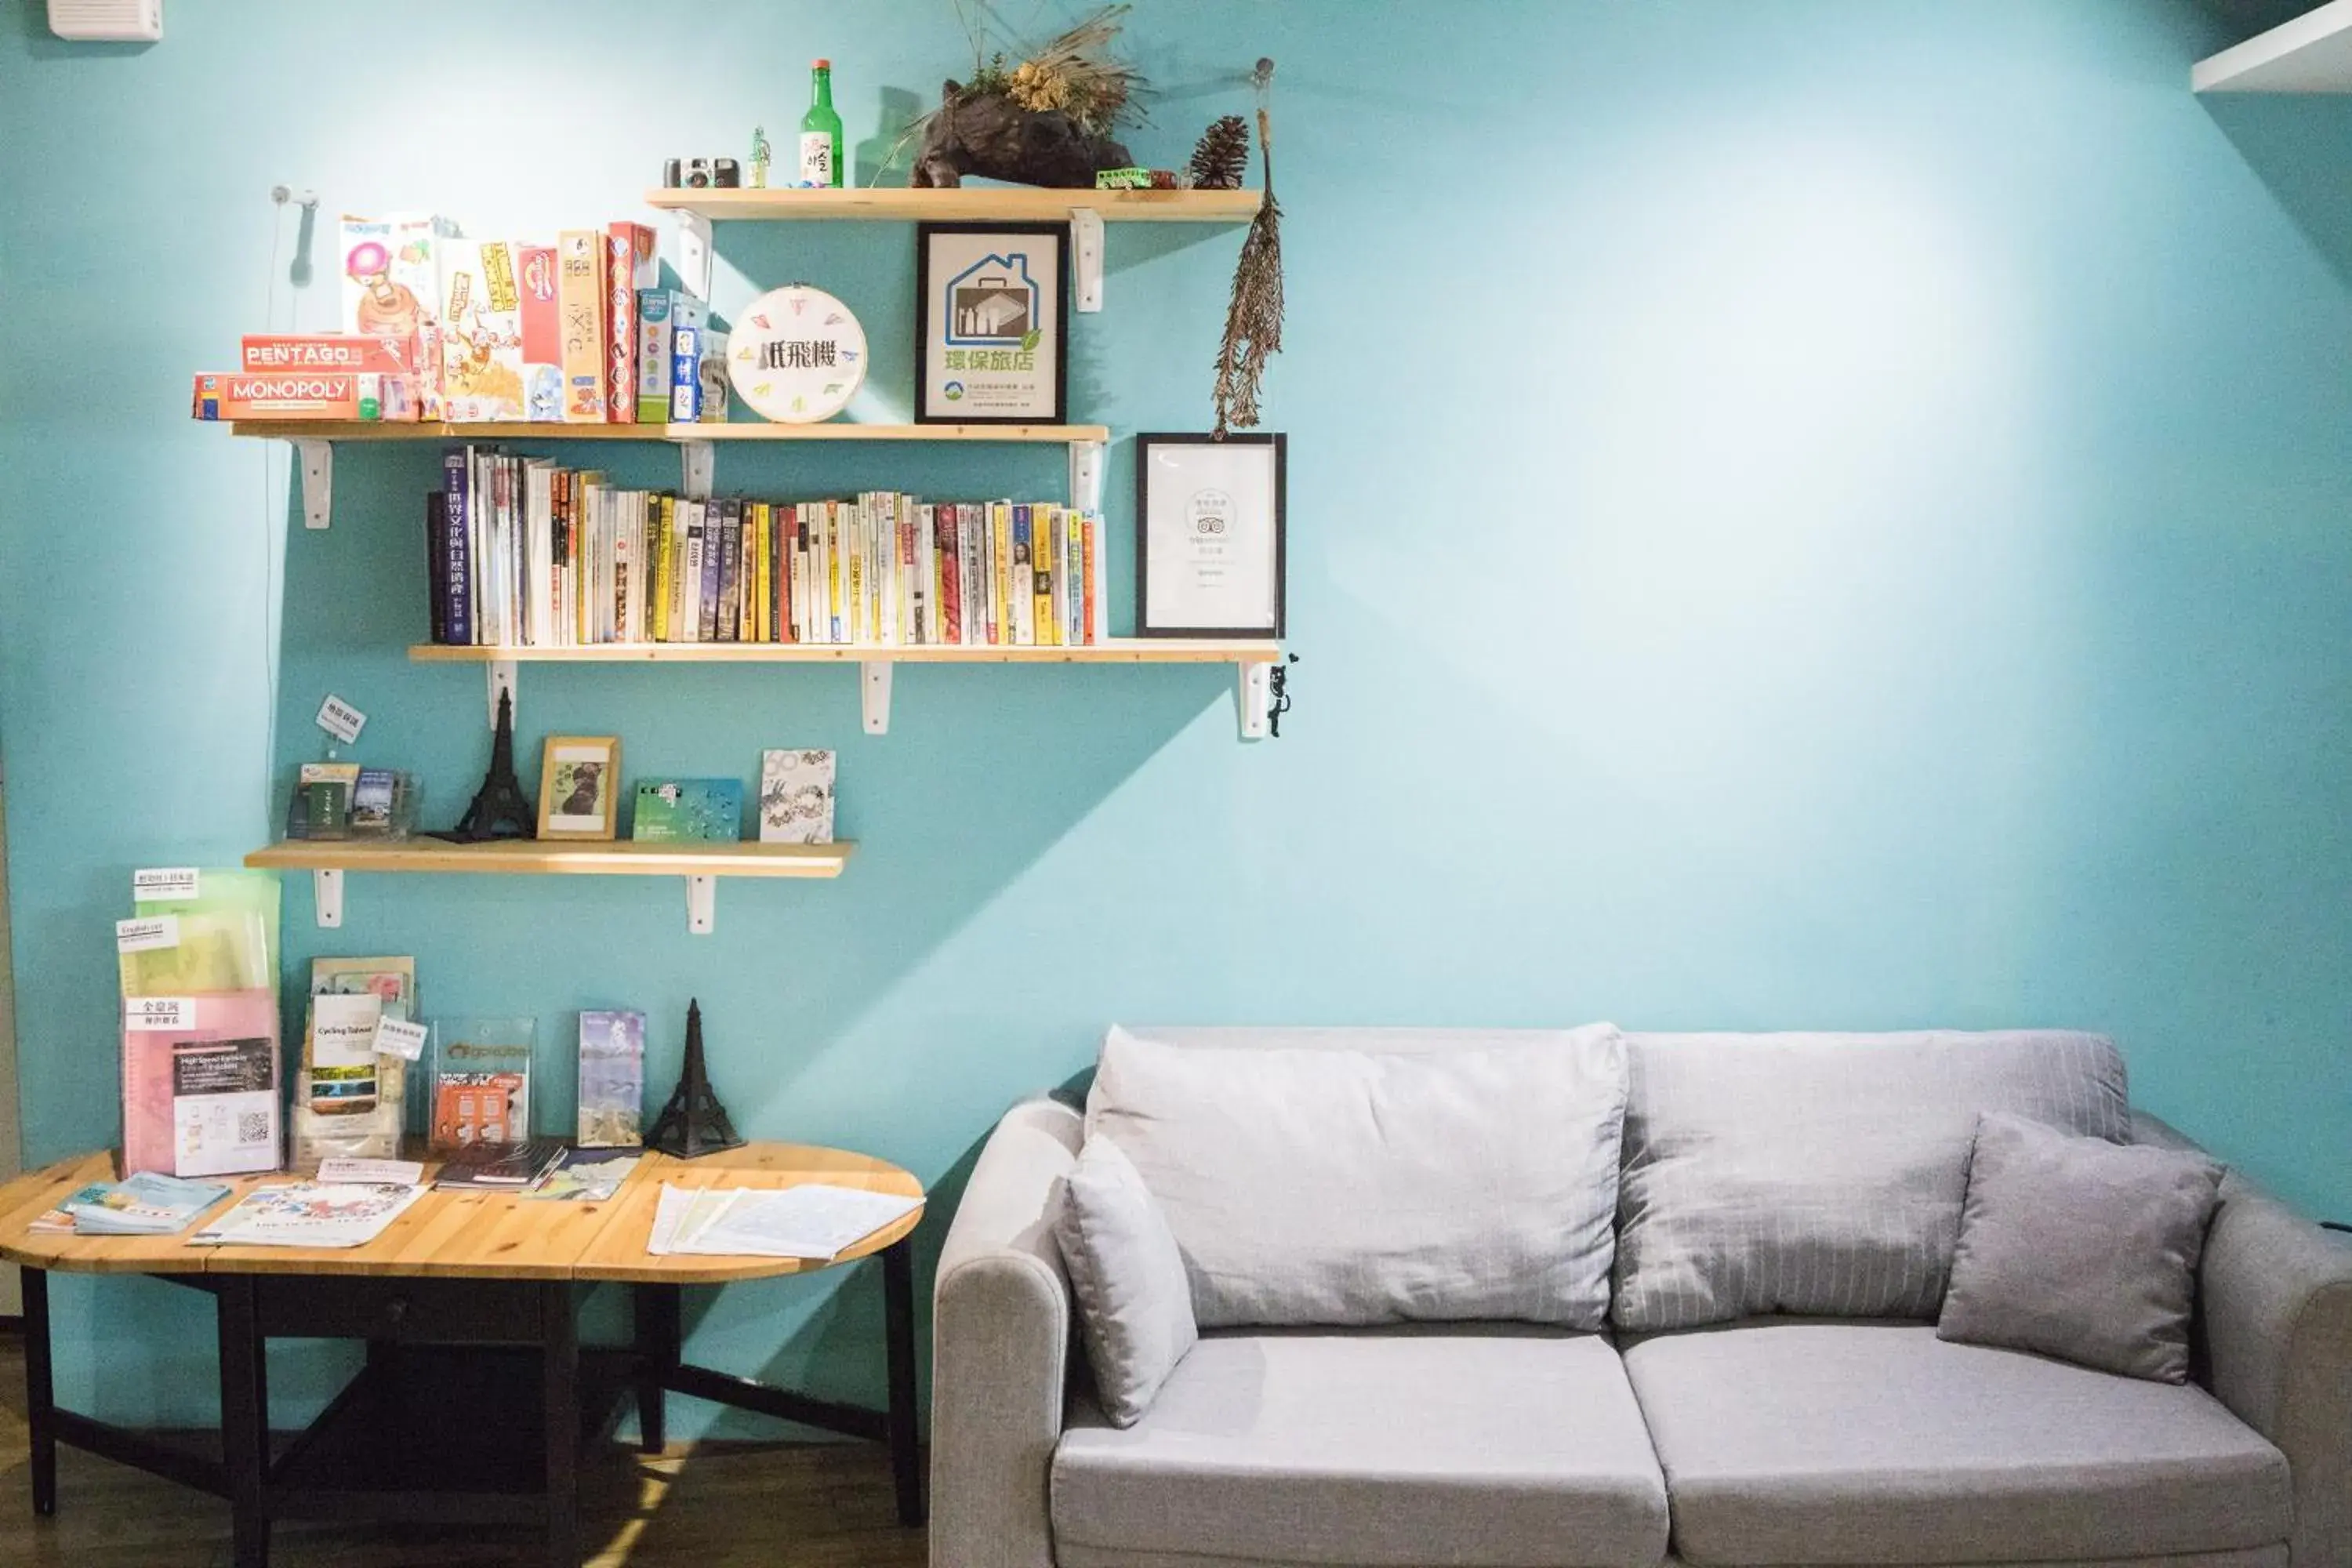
<point>1805,514</point>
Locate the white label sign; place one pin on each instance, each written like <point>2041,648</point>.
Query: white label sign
<point>156,1015</point>
<point>340,719</point>
<point>399,1037</point>
<point>145,936</point>
<point>379,1172</point>
<point>343,1030</point>
<point>158,884</point>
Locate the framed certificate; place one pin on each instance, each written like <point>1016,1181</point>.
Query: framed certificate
<point>1208,536</point>
<point>991,338</point>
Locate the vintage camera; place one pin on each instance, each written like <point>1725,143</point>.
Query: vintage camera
<point>702,173</point>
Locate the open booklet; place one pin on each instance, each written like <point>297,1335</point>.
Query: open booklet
<point>813,1220</point>
<point>310,1214</point>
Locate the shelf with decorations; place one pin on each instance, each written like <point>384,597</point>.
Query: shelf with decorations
<point>1085,211</point>
<point>1252,659</point>
<point>328,859</point>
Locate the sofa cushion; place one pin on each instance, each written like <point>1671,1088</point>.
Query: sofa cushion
<point>1879,1443</point>
<point>2080,1249</point>
<point>1135,1306</point>
<point>1480,1447</point>
<point>1822,1173</point>
<point>1366,1176</point>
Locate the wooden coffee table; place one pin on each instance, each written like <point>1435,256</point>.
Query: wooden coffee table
<point>468,1304</point>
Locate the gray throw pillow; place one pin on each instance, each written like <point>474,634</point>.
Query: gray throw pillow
<point>1134,1305</point>
<point>2080,1249</point>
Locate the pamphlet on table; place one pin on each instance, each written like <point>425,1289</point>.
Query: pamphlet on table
<point>310,1214</point>
<point>812,1220</point>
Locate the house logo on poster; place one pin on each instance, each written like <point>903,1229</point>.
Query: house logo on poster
<point>993,303</point>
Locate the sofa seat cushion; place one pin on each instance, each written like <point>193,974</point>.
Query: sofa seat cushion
<point>1820,1443</point>
<point>1467,1445</point>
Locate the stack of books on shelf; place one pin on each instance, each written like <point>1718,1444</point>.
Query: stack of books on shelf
<point>574,329</point>
<point>523,553</point>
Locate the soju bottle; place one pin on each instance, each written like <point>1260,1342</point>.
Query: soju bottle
<point>821,130</point>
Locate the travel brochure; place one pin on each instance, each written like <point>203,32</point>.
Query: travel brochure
<point>310,1214</point>
<point>143,1204</point>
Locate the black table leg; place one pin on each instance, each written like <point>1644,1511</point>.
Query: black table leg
<point>560,1355</point>
<point>40,1393</point>
<point>898,1330</point>
<point>245,1417</point>
<point>660,1337</point>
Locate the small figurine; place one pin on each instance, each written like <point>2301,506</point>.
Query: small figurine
<point>761,156</point>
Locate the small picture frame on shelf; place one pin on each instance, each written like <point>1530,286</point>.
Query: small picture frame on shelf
<point>992,323</point>
<point>1209,535</point>
<point>579,786</point>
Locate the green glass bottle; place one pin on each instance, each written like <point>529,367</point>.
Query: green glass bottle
<point>821,130</point>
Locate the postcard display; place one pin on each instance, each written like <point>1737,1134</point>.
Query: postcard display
<point>200,1041</point>
<point>351,1095</point>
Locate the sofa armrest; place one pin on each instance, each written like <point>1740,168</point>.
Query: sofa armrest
<point>2274,1293</point>
<point>999,1348</point>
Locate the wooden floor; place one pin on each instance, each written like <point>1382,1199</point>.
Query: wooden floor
<point>791,1506</point>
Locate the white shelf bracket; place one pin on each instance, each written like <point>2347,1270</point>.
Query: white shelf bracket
<point>874,694</point>
<point>1086,256</point>
<point>327,896</point>
<point>502,680</point>
<point>694,464</point>
<point>1252,698</point>
<point>694,254</point>
<point>316,460</point>
<point>701,904</point>
<point>1087,474</point>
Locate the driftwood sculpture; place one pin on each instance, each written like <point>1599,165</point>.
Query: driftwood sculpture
<point>984,132</point>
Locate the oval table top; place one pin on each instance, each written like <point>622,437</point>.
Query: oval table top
<point>470,1235</point>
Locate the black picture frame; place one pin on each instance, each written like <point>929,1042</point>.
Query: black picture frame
<point>1145,444</point>
<point>1058,303</point>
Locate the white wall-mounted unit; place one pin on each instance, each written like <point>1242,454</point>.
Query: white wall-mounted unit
<point>2310,53</point>
<point>108,21</point>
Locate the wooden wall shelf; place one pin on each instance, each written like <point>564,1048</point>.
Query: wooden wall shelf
<point>314,442</point>
<point>1120,650</point>
<point>700,864</point>
<point>556,857</point>
<point>969,203</point>
<point>681,435</point>
<point>2312,53</point>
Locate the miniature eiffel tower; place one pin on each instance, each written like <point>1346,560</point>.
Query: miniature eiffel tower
<point>693,1123</point>
<point>500,809</point>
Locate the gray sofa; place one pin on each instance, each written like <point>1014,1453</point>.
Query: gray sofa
<point>1770,1437</point>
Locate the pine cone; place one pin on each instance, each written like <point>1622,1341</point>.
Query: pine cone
<point>1222,155</point>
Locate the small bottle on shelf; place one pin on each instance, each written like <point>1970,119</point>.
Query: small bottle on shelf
<point>821,130</point>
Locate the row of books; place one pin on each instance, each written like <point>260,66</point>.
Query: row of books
<point>523,553</point>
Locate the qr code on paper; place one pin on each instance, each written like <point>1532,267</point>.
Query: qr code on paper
<point>253,1127</point>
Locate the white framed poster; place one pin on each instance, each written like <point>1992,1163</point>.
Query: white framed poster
<point>992,323</point>
<point>1209,535</point>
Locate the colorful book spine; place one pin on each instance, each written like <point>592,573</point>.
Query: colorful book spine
<point>436,547</point>
<point>456,473</point>
<point>581,302</point>
<point>686,374</point>
<point>706,612</point>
